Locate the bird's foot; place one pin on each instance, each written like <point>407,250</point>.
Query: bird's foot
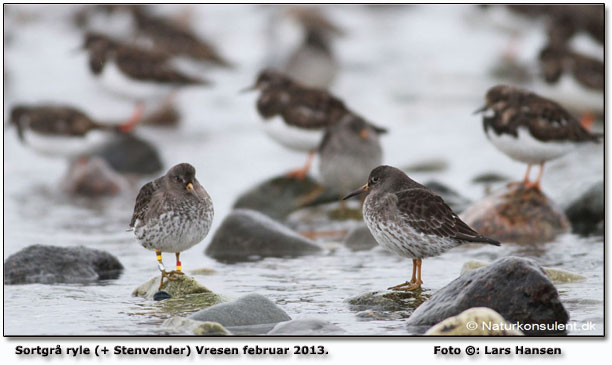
<point>299,174</point>
<point>173,275</point>
<point>407,286</point>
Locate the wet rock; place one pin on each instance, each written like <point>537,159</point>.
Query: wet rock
<point>517,288</point>
<point>280,196</point>
<point>516,214</point>
<point>247,233</point>
<point>360,239</point>
<point>249,310</point>
<point>306,327</point>
<point>454,200</point>
<point>556,275</point>
<point>388,305</point>
<point>490,178</point>
<point>180,325</point>
<point>586,212</point>
<point>129,154</point>
<point>93,177</point>
<point>186,295</point>
<point>51,265</point>
<point>322,222</point>
<point>481,321</point>
<point>182,286</point>
<point>433,165</point>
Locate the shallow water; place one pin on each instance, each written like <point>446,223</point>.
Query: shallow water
<point>423,74</point>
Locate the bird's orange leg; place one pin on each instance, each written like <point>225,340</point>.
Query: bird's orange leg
<point>536,184</point>
<point>179,267</point>
<point>526,179</point>
<point>415,282</point>
<point>587,121</point>
<point>134,119</point>
<point>301,173</point>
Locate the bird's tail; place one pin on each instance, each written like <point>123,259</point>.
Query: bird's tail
<point>479,239</point>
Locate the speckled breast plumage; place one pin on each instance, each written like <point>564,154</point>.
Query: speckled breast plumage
<point>384,222</point>
<point>181,226</point>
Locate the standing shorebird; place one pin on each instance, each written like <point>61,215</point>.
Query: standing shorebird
<point>350,149</point>
<point>172,214</point>
<point>410,220</point>
<point>294,115</point>
<point>529,128</point>
<point>59,130</point>
<point>134,72</point>
<point>313,63</point>
<point>175,39</point>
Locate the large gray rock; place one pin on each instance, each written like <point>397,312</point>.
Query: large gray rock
<point>306,327</point>
<point>587,211</point>
<point>249,310</point>
<point>52,264</point>
<point>279,196</point>
<point>360,239</point>
<point>247,233</point>
<point>129,154</point>
<point>93,177</point>
<point>517,288</point>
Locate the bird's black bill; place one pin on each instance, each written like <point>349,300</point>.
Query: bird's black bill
<point>362,189</point>
<point>481,109</point>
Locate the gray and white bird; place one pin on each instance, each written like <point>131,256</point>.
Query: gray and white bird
<point>172,214</point>
<point>529,128</point>
<point>410,220</point>
<point>350,149</point>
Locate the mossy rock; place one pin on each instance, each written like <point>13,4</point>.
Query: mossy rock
<point>387,305</point>
<point>479,321</point>
<point>181,287</point>
<point>193,327</point>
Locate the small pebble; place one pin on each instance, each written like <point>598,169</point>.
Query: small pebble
<point>161,295</point>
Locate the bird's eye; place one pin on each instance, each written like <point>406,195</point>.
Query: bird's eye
<point>177,178</point>
<point>374,180</point>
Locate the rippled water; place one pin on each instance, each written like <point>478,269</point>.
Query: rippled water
<point>419,77</point>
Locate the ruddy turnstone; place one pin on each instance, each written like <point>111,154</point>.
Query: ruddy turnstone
<point>172,214</point>
<point>350,149</point>
<point>295,115</point>
<point>134,72</point>
<point>61,130</point>
<point>529,128</point>
<point>410,220</point>
<point>576,80</point>
<point>174,39</point>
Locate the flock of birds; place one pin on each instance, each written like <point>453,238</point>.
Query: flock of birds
<point>173,213</point>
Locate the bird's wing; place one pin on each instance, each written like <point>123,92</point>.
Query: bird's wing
<point>313,109</point>
<point>142,201</point>
<point>427,213</point>
<point>140,64</point>
<point>549,121</point>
